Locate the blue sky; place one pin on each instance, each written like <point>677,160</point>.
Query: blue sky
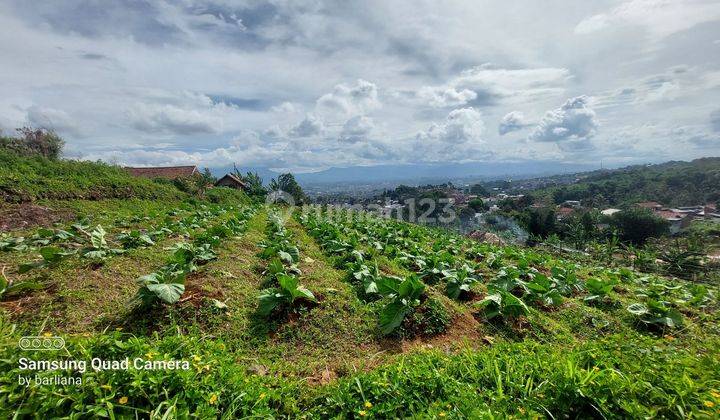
<point>306,85</point>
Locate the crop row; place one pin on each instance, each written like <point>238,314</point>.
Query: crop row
<point>439,258</point>
<point>166,285</point>
<point>399,297</point>
<point>281,274</point>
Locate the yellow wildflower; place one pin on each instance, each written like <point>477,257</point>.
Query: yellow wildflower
<point>709,404</point>
<point>261,396</point>
<point>441,414</point>
<point>106,386</point>
<point>715,394</point>
<point>196,358</point>
<point>213,399</point>
<point>47,334</point>
<point>123,400</point>
<point>362,413</point>
<point>368,404</point>
<point>149,355</point>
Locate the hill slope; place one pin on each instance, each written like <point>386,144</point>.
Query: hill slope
<point>31,178</point>
<point>671,183</point>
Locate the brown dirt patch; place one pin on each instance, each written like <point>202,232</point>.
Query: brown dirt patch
<point>28,215</point>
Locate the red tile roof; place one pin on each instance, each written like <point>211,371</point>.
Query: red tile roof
<point>669,214</point>
<point>649,204</point>
<point>169,172</point>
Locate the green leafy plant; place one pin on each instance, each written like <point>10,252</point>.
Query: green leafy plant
<point>458,283</point>
<point>97,250</point>
<point>598,289</point>
<point>656,313</point>
<point>165,285</point>
<point>285,297</point>
<point>8,287</point>
<point>135,239</point>
<point>403,294</point>
<point>504,304</point>
<point>541,289</point>
<point>51,257</point>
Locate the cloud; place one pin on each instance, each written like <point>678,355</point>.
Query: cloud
<point>573,121</point>
<point>461,126</point>
<point>309,126</point>
<point>659,17</point>
<point>173,119</point>
<point>284,108</point>
<point>54,119</point>
<point>715,120</point>
<point>446,97</point>
<point>347,100</point>
<point>705,141</point>
<point>512,121</point>
<point>356,129</point>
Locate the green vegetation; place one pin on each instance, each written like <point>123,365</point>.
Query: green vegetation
<point>321,313</point>
<point>30,178</point>
<point>672,183</point>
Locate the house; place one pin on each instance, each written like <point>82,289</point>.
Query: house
<point>609,212</point>
<point>650,205</point>
<point>677,220</point>
<point>571,204</point>
<point>166,172</point>
<point>231,181</point>
<point>564,212</point>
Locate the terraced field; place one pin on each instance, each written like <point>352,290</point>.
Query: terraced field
<point>317,313</point>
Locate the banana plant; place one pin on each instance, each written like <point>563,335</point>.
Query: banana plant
<point>404,295</point>
<point>285,297</point>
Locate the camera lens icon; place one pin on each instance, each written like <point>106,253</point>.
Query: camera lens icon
<point>36,343</point>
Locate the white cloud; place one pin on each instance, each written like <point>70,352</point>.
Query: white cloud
<point>356,129</point>
<point>347,100</point>
<point>573,121</point>
<point>55,119</point>
<point>284,108</point>
<point>461,126</point>
<point>445,97</point>
<point>172,119</point>
<point>309,126</point>
<point>512,121</point>
<point>659,17</point>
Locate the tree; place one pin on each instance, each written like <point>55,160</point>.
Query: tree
<point>479,189</point>
<point>288,184</point>
<point>35,141</point>
<point>637,225</point>
<point>476,204</point>
<point>541,222</point>
<point>252,180</point>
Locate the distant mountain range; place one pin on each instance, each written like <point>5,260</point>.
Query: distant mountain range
<point>423,173</point>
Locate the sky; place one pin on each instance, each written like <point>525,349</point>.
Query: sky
<point>305,85</point>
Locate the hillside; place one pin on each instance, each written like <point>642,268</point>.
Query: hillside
<point>306,312</point>
<point>671,183</point>
<point>30,178</point>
